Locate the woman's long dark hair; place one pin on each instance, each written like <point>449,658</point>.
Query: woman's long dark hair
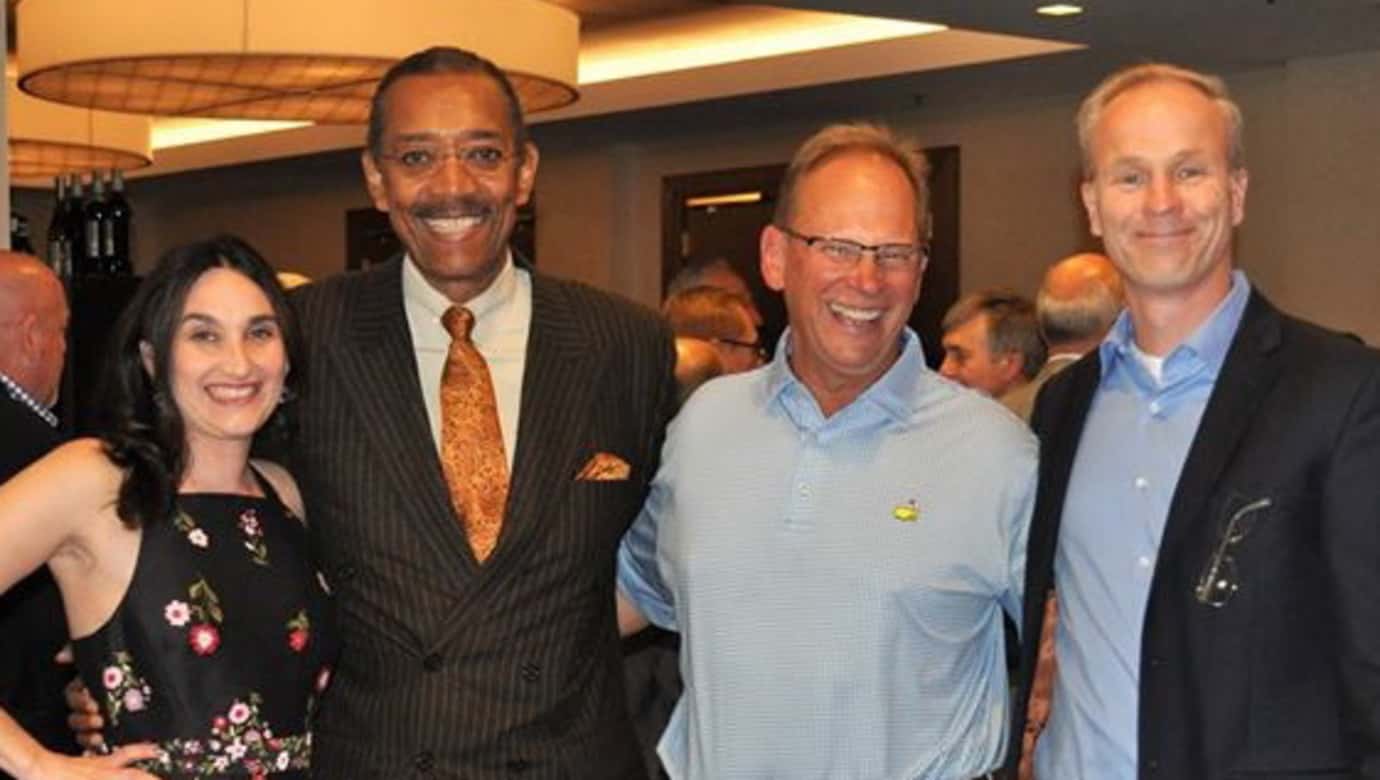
<point>143,432</point>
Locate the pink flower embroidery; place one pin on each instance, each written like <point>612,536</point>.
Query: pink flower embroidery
<point>177,613</point>
<point>218,725</point>
<point>112,677</point>
<point>297,640</point>
<point>134,700</point>
<point>204,639</point>
<point>239,713</point>
<point>199,538</point>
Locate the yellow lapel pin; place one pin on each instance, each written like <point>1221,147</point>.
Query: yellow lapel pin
<point>907,512</point>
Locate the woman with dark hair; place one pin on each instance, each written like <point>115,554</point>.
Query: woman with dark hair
<point>200,625</point>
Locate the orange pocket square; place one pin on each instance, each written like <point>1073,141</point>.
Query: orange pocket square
<point>604,467</point>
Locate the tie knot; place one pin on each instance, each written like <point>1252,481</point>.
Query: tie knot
<point>459,322</point>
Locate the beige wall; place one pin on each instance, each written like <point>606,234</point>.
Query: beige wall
<point>1311,238</point>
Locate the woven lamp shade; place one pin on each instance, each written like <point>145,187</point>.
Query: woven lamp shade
<point>312,60</point>
<point>47,139</point>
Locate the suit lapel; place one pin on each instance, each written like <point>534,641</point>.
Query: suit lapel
<point>379,377</point>
<point>1245,378</point>
<point>560,378</point>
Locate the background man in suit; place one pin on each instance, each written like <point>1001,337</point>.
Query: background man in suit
<point>1208,505</point>
<point>33,627</point>
<point>1079,298</point>
<point>459,661</point>
<point>992,342</point>
<point>838,533</point>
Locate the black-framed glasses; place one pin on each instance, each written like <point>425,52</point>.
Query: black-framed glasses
<point>1220,579</point>
<point>847,252</point>
<point>755,346</point>
<point>425,158</point>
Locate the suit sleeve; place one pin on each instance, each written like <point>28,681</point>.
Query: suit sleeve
<point>1351,534</point>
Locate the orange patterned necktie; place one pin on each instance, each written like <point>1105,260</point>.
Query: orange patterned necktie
<point>471,441</point>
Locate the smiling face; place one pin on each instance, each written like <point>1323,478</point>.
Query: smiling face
<point>1163,195</point>
<point>227,359</point>
<point>846,322</point>
<point>456,212</point>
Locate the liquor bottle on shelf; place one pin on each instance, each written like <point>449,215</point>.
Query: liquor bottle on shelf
<point>115,244</point>
<point>95,213</point>
<point>74,224</point>
<point>59,248</point>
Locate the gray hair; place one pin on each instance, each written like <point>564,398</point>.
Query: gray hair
<point>1011,325</point>
<point>1126,79</point>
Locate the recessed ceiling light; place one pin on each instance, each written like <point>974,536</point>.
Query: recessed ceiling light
<point>1059,9</point>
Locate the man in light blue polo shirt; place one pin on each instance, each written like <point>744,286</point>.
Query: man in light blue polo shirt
<point>836,534</point>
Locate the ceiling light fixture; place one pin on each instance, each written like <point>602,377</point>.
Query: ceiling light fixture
<point>701,40</point>
<point>1059,9</point>
<point>726,199</point>
<point>47,139</point>
<point>307,60</point>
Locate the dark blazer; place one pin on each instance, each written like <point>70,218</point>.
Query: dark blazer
<point>1282,681</point>
<point>33,626</point>
<point>450,668</point>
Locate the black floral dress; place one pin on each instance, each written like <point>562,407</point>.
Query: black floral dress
<point>222,643</point>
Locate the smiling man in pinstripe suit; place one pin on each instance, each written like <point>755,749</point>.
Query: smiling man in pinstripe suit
<point>455,666</point>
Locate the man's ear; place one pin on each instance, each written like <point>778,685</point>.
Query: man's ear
<point>527,173</point>
<point>1013,366</point>
<point>373,180</point>
<point>1088,190</point>
<point>772,251</point>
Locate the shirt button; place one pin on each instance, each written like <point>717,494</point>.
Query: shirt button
<point>1142,483</point>
<point>530,672</point>
<point>804,490</point>
<point>1154,407</point>
<point>432,662</point>
<point>1143,561</point>
<point>517,766</point>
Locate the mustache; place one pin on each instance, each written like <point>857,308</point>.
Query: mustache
<point>452,208</point>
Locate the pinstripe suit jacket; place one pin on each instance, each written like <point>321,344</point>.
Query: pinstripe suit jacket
<point>449,668</point>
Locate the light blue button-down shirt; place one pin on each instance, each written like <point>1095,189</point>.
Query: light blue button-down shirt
<point>838,582</point>
<point>1134,443</point>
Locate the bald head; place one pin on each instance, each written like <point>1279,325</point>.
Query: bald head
<point>1078,301</point>
<point>33,325</point>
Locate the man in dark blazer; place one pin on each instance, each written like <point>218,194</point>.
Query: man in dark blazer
<point>33,627</point>
<point>453,666</point>
<point>1209,507</point>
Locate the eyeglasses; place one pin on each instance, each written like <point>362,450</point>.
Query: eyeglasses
<point>1220,579</point>
<point>423,159</point>
<point>846,252</point>
<point>756,347</point>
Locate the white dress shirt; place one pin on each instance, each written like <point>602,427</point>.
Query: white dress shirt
<point>502,321</point>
